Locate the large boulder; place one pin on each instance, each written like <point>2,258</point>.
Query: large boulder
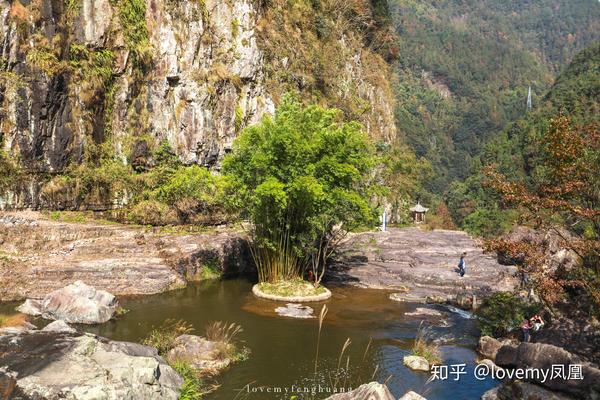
<point>368,391</point>
<point>60,365</point>
<point>488,347</point>
<point>546,357</point>
<point>77,303</point>
<point>416,363</point>
<point>202,354</point>
<point>521,390</point>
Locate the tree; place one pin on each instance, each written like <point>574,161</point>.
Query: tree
<point>303,178</point>
<point>564,192</point>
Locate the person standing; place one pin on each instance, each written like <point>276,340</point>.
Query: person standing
<point>462,266</point>
<point>526,327</point>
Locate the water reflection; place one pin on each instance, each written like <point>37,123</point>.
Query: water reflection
<point>283,349</point>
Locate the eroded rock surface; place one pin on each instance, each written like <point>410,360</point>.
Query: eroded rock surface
<point>522,390</point>
<point>423,264</point>
<point>122,260</point>
<point>76,303</point>
<point>542,357</point>
<point>51,365</point>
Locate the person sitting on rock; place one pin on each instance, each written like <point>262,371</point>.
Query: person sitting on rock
<point>462,267</point>
<point>526,327</point>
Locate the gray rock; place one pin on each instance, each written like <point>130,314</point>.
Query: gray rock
<point>522,390</point>
<point>58,326</point>
<point>75,303</point>
<point>416,363</point>
<point>294,310</point>
<point>412,396</point>
<point>542,357</point>
<point>368,391</point>
<point>203,354</point>
<point>488,347</point>
<point>52,366</point>
<point>420,311</point>
<point>421,263</point>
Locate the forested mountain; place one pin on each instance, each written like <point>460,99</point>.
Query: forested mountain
<point>466,65</point>
<point>516,151</point>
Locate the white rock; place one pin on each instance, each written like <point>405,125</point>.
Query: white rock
<point>86,367</point>
<point>76,303</point>
<point>412,396</point>
<point>58,326</point>
<point>416,363</point>
<point>294,310</point>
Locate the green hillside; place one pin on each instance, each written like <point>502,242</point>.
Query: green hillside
<point>465,68</point>
<point>516,151</point>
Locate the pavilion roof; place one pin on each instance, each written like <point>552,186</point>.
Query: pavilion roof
<point>419,208</point>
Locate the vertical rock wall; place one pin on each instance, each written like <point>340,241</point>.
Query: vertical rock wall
<point>123,76</point>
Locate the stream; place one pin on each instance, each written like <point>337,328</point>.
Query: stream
<point>283,349</point>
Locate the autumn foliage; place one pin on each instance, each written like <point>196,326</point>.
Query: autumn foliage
<point>563,195</point>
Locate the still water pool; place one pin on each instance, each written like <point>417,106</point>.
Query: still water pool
<point>283,349</point>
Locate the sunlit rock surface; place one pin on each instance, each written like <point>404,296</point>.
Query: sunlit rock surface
<point>51,365</point>
<point>422,264</point>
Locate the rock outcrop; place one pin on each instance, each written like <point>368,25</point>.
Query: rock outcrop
<point>52,366</point>
<point>77,303</point>
<point>416,363</point>
<point>204,355</point>
<point>488,347</point>
<point>539,356</point>
<point>521,390</point>
<point>74,75</point>
<point>423,264</point>
<point>371,391</point>
<point>46,255</point>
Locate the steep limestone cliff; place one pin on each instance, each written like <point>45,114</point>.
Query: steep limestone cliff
<point>80,79</point>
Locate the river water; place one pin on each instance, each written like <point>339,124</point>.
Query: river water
<point>283,349</point>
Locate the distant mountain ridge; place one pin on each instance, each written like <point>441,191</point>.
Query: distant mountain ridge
<point>466,65</point>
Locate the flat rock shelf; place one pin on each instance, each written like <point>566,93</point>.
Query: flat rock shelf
<point>326,294</point>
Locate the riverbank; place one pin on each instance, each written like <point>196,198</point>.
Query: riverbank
<point>39,254</point>
<point>421,265</point>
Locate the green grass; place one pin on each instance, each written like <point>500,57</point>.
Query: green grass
<point>292,288</point>
<point>193,386</point>
<point>210,270</point>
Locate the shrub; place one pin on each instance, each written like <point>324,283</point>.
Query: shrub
<point>192,190</point>
<point>503,312</point>
<point>150,212</point>
<point>299,176</point>
<point>163,337</point>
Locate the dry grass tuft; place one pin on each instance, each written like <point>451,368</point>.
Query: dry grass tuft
<point>223,332</point>
<point>426,348</point>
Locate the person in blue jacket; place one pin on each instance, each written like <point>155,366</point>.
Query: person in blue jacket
<point>462,267</point>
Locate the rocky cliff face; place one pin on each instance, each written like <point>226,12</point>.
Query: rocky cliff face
<point>84,77</point>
